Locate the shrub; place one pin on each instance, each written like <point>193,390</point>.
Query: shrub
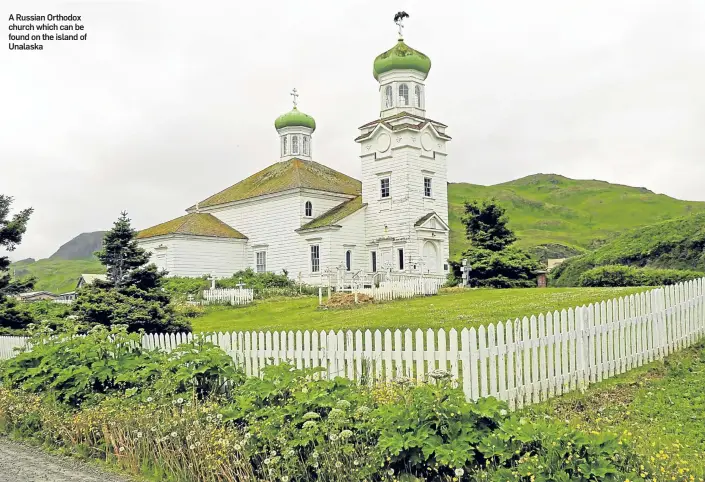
<point>180,288</point>
<point>509,268</point>
<point>257,281</point>
<point>618,275</point>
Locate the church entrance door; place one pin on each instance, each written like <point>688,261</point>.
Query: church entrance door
<point>430,257</point>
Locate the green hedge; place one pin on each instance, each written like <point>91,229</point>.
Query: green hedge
<point>618,275</point>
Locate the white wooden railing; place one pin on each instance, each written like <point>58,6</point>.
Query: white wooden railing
<point>392,290</point>
<point>233,296</point>
<point>522,361</point>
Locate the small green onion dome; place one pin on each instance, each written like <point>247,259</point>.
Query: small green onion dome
<point>401,56</point>
<point>295,118</point>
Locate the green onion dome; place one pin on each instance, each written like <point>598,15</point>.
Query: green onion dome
<point>295,118</point>
<point>401,56</point>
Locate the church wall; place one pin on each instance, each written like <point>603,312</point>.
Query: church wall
<point>270,224</point>
<point>194,256</point>
<point>351,237</point>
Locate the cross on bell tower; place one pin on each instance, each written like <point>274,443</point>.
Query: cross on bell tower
<point>399,20</point>
<point>295,95</point>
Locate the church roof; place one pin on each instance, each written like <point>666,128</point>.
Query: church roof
<point>419,123</point>
<point>285,175</point>
<point>332,216</point>
<point>194,224</point>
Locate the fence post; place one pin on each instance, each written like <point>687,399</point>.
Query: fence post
<point>582,348</point>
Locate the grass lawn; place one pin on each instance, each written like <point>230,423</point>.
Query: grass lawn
<point>457,308</point>
<point>659,408</point>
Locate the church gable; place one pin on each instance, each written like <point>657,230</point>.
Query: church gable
<point>283,176</point>
<point>333,216</point>
<point>431,221</point>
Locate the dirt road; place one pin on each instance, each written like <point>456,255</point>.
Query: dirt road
<point>22,463</point>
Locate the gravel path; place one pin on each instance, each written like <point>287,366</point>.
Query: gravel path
<point>22,463</point>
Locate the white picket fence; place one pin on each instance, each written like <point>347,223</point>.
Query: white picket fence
<point>522,361</point>
<point>400,289</point>
<point>233,296</point>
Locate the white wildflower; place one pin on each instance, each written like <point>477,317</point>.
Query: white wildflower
<point>285,478</point>
<point>338,464</point>
<point>238,447</point>
<point>459,472</point>
<point>267,461</point>
<point>174,434</point>
<point>336,412</point>
<point>346,434</point>
<point>139,434</point>
<point>309,424</point>
<point>390,471</point>
<point>311,416</point>
<point>122,449</point>
<point>333,437</point>
<point>356,462</point>
<point>179,400</point>
<point>343,404</point>
<point>219,416</point>
<point>192,447</point>
<point>314,454</point>
<point>503,412</point>
<point>149,399</point>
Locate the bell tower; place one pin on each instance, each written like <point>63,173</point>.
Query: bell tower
<point>404,179</point>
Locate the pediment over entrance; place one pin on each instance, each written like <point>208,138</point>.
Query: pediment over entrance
<point>432,221</point>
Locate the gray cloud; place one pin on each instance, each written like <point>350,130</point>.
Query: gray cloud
<point>170,101</point>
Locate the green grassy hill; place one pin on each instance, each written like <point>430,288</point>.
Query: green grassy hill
<point>678,243</point>
<point>56,275</point>
<point>548,209</point>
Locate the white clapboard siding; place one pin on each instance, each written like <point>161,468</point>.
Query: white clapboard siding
<point>524,361</point>
<point>233,296</point>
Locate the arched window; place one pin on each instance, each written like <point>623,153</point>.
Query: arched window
<point>348,260</point>
<point>308,209</point>
<point>417,93</point>
<point>294,144</point>
<point>404,94</point>
<point>306,141</point>
<point>388,97</point>
<point>283,145</point>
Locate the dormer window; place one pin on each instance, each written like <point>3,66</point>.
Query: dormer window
<point>294,145</point>
<point>417,94</point>
<point>306,147</point>
<point>308,209</point>
<point>388,97</point>
<point>403,94</point>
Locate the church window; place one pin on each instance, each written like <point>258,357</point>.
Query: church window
<point>404,94</point>
<point>308,209</point>
<point>388,101</point>
<point>348,260</point>
<point>294,145</point>
<point>384,187</point>
<point>306,145</point>
<point>401,259</point>
<point>374,261</point>
<point>261,261</point>
<point>427,186</point>
<point>315,258</point>
<point>417,92</point>
<point>284,146</point>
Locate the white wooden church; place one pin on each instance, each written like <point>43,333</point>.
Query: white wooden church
<point>315,223</point>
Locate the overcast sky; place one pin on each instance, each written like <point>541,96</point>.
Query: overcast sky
<point>170,101</point>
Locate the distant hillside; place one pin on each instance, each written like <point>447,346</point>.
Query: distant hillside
<point>56,275</point>
<point>81,247</point>
<point>677,243</point>
<point>548,209</point>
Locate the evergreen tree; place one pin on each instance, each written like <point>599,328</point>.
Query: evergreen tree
<point>133,294</point>
<point>493,261</point>
<point>14,318</point>
<point>121,253</point>
<point>486,225</point>
<point>11,231</point>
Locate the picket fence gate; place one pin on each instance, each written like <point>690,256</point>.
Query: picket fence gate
<point>521,362</point>
<point>233,296</point>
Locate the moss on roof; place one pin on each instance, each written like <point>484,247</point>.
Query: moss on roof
<point>194,224</point>
<point>332,216</point>
<point>285,175</point>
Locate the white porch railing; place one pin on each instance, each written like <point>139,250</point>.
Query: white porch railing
<point>233,296</point>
